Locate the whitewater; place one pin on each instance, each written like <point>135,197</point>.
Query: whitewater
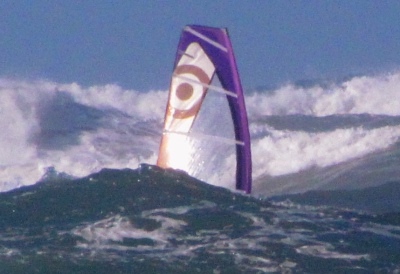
<point>79,192</point>
<point>297,131</point>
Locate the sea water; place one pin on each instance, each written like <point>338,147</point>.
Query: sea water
<point>77,198</point>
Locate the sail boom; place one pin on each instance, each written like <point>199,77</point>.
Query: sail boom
<point>210,87</point>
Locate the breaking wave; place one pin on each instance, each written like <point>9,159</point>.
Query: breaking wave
<point>79,130</point>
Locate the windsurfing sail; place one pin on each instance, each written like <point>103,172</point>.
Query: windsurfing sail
<point>202,53</point>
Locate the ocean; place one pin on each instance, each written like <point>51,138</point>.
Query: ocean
<point>79,192</point>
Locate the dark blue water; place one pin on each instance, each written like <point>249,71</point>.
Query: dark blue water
<point>151,220</point>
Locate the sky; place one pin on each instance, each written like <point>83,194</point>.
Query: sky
<point>133,43</point>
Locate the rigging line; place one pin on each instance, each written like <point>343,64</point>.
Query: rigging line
<point>205,38</point>
<point>211,87</point>
<point>205,136</point>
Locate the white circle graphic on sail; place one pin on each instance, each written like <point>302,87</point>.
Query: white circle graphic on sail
<point>192,74</point>
<point>187,90</point>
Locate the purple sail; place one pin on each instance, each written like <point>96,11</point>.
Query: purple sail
<point>202,53</point>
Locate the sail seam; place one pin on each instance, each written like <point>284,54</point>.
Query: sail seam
<point>211,87</point>
<point>205,136</point>
<point>206,39</point>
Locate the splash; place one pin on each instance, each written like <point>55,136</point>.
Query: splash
<point>79,130</point>
<point>74,129</point>
<point>377,95</point>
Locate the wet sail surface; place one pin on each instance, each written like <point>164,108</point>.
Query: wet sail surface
<point>212,142</point>
<point>205,53</point>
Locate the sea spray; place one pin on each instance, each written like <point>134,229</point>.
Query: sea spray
<point>80,130</point>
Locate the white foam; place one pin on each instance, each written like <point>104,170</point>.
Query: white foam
<point>367,94</point>
<point>22,103</point>
<point>149,105</point>
<point>249,251</point>
<point>322,251</point>
<point>108,233</point>
<point>284,152</point>
<point>24,162</point>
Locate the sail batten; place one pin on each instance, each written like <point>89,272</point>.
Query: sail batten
<point>205,38</point>
<point>205,52</point>
<point>209,87</point>
<point>205,136</point>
